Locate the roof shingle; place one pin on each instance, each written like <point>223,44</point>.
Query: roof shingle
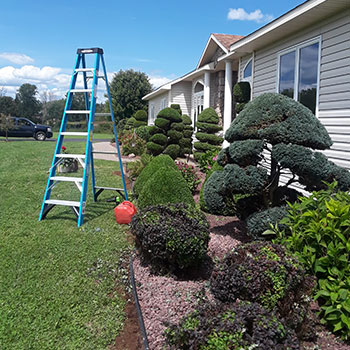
<point>227,39</point>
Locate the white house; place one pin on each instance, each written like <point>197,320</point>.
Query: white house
<point>304,54</point>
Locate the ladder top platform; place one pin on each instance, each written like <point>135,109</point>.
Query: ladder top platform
<point>90,50</point>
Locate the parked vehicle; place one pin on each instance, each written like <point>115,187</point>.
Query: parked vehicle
<point>26,128</point>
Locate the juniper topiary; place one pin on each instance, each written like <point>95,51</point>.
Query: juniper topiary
<point>207,127</point>
<point>277,133</point>
<point>241,93</point>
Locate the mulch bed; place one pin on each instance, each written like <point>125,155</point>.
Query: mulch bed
<point>166,299</point>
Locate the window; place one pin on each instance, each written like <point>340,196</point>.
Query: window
<point>247,71</point>
<point>163,103</point>
<point>152,115</point>
<point>298,74</point>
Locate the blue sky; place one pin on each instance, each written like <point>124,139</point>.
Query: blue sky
<point>164,39</point>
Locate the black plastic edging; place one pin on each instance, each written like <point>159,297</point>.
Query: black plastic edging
<point>138,308</point>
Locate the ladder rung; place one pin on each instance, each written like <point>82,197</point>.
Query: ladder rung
<point>105,152</point>
<point>102,114</point>
<point>61,202</point>
<point>85,69</point>
<point>81,90</point>
<point>66,155</point>
<point>72,133</point>
<point>78,112</point>
<point>67,178</point>
<point>108,188</point>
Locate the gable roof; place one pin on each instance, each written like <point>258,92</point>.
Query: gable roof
<point>215,41</point>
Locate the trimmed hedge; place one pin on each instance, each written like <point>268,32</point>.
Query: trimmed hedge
<point>209,128</point>
<point>188,133</point>
<point>210,138</point>
<point>172,150</point>
<point>166,185</point>
<point>160,139</point>
<point>186,119</point>
<point>138,123</point>
<point>156,163</point>
<point>171,236</point>
<point>153,129</point>
<point>170,114</point>
<point>203,147</point>
<point>177,126</point>
<point>141,115</point>
<point>162,123</point>
<point>174,136</point>
<point>154,148</point>
<point>208,115</point>
<point>176,107</point>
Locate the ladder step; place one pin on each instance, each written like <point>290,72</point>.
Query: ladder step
<point>66,155</point>
<point>102,114</point>
<point>108,188</point>
<point>78,112</point>
<point>85,69</point>
<point>61,202</point>
<point>105,152</point>
<point>81,90</point>
<point>72,133</point>
<point>67,178</point>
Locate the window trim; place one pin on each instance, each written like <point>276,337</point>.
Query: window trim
<point>297,48</point>
<point>249,79</point>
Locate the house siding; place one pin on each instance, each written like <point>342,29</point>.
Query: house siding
<point>181,94</point>
<point>156,102</point>
<point>334,79</point>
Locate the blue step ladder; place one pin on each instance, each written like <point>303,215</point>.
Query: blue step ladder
<point>86,160</point>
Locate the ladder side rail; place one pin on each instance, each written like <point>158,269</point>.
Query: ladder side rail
<point>88,148</point>
<point>60,137</point>
<point>114,128</point>
<point>85,87</point>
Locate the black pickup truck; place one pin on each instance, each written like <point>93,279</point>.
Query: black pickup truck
<point>24,127</point>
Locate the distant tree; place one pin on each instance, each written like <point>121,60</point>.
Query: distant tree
<point>6,124</point>
<point>127,89</point>
<point>8,105</point>
<point>27,104</point>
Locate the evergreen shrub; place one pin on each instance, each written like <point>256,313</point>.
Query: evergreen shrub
<point>162,123</point>
<point>174,136</point>
<point>212,138</point>
<point>243,325</point>
<point>160,139</point>
<point>154,148</point>
<point>241,92</point>
<point>172,150</point>
<point>171,236</point>
<point>265,273</point>
<point>143,132</point>
<point>170,114</point>
<point>165,186</point>
<point>158,162</point>
<point>176,107</point>
<point>141,115</point>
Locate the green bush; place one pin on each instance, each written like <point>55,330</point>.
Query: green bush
<point>135,168</point>
<point>153,129</point>
<point>132,144</point>
<point>177,126</point>
<point>319,234</point>
<point>138,123</point>
<point>188,133</point>
<point>154,148</point>
<point>260,222</point>
<point>241,92</point>
<point>162,123</point>
<point>247,152</point>
<point>185,143</point>
<point>204,147</point>
<point>186,119</point>
<point>130,123</point>
<point>172,150</point>
<point>170,114</point>
<point>174,136</point>
<point>171,236</point>
<point>241,326</point>
<point>141,115</point>
<point>156,163</point>
<point>165,186</point>
<point>160,139</point>
<point>176,107</point>
<point>209,138</point>
<point>209,128</point>
<point>239,107</point>
<point>208,115</point>
<point>143,132</point>
<point>265,273</point>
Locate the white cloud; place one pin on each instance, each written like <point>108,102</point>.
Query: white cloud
<point>17,58</point>
<point>157,81</point>
<point>241,15</point>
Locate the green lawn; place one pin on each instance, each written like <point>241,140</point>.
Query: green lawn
<point>57,281</point>
<point>97,136</point>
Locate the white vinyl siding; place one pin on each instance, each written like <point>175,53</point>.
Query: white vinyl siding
<point>158,102</point>
<point>181,95</point>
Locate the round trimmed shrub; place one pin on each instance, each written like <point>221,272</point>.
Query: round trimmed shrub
<point>174,136</point>
<point>154,148</point>
<point>138,123</point>
<point>130,123</point>
<point>203,147</point>
<point>265,273</point>
<point>153,129</point>
<point>162,123</point>
<point>176,107</point>
<point>241,92</point>
<point>141,115</point>
<point>210,138</point>
<point>166,185</point>
<point>259,222</point>
<point>208,115</point>
<point>160,139</point>
<point>155,164</point>
<point>209,128</point>
<point>242,325</point>
<point>171,236</point>
<point>188,133</point>
<point>186,119</point>
<point>170,114</point>
<point>172,150</point>
<point>143,132</point>
<point>177,126</point>
<point>185,143</point>
<point>239,107</point>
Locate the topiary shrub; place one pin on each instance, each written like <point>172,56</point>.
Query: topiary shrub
<point>241,92</point>
<point>130,123</point>
<point>242,325</point>
<point>141,115</point>
<point>213,139</point>
<point>176,107</point>
<point>272,132</point>
<point>177,126</point>
<point>186,119</point>
<point>172,236</point>
<point>160,139</point>
<point>170,114</point>
<point>172,150</point>
<point>143,132</point>
<point>208,128</point>
<point>265,273</point>
<point>154,148</point>
<point>156,163</point>
<point>153,129</point>
<point>165,186</point>
<point>174,136</point>
<point>260,222</point>
<point>162,123</point>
